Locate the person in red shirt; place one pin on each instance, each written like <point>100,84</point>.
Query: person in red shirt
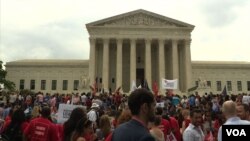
<point>41,128</point>
<point>8,119</point>
<point>164,125</point>
<point>16,124</point>
<point>175,128</point>
<point>219,120</point>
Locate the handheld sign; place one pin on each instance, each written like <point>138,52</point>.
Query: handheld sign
<point>65,110</point>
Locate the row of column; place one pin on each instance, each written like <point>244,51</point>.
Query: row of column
<point>148,65</point>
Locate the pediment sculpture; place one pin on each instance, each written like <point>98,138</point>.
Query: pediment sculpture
<point>140,19</point>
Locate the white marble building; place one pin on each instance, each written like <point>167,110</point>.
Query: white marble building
<point>135,46</point>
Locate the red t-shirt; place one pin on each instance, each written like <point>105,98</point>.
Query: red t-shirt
<point>109,137</point>
<point>175,128</point>
<point>41,129</point>
<point>165,127</point>
<point>60,129</point>
<point>6,124</point>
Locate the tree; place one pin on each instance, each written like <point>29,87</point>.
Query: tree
<point>7,84</point>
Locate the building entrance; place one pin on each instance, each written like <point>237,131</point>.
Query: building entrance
<point>139,76</point>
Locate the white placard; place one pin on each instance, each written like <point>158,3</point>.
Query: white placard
<point>65,110</point>
<point>160,104</point>
<point>246,99</point>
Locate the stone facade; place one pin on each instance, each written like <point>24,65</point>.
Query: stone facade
<point>153,46</point>
<point>215,75</point>
<point>135,46</point>
<point>49,70</point>
<point>71,70</point>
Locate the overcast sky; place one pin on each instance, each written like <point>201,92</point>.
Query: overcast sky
<point>55,29</point>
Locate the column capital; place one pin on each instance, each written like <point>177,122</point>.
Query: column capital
<point>132,40</point>
<point>119,40</point>
<point>92,39</point>
<point>148,40</point>
<point>105,40</point>
<point>187,41</point>
<point>175,40</point>
<point>161,41</point>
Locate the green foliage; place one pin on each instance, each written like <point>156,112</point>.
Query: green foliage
<point>7,84</point>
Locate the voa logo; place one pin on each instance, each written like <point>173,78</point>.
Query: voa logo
<point>236,132</point>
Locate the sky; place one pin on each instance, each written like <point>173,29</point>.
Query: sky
<point>55,29</point>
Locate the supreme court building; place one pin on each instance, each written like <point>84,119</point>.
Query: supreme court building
<point>135,46</point>
<point>138,46</point>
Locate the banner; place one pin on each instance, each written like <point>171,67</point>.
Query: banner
<point>169,84</point>
<point>65,110</point>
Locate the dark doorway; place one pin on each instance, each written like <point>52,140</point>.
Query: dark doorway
<point>139,77</point>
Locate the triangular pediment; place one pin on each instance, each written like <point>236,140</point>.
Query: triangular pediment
<point>140,18</point>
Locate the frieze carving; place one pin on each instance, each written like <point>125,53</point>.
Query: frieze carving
<point>155,32</point>
<point>140,19</point>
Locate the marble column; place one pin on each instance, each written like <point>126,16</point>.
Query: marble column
<point>148,65</point>
<point>174,60</point>
<point>92,61</point>
<point>119,63</point>
<point>175,63</point>
<point>188,67</point>
<point>105,68</point>
<point>161,63</point>
<point>132,60</point>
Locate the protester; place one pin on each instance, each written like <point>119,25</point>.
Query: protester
<point>70,125</point>
<point>208,125</point>
<point>174,128</point>
<point>186,119</point>
<point>243,111</point>
<point>83,127</point>
<point>104,127</point>
<point>14,130</point>
<point>155,131</point>
<point>164,125</point>
<point>41,128</point>
<point>125,116</point>
<point>229,110</point>
<point>141,103</point>
<point>194,132</point>
<point>101,102</point>
<point>93,114</point>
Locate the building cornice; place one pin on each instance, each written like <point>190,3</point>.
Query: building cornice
<point>220,65</point>
<point>49,63</point>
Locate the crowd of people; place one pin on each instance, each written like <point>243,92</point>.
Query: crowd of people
<point>139,116</point>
